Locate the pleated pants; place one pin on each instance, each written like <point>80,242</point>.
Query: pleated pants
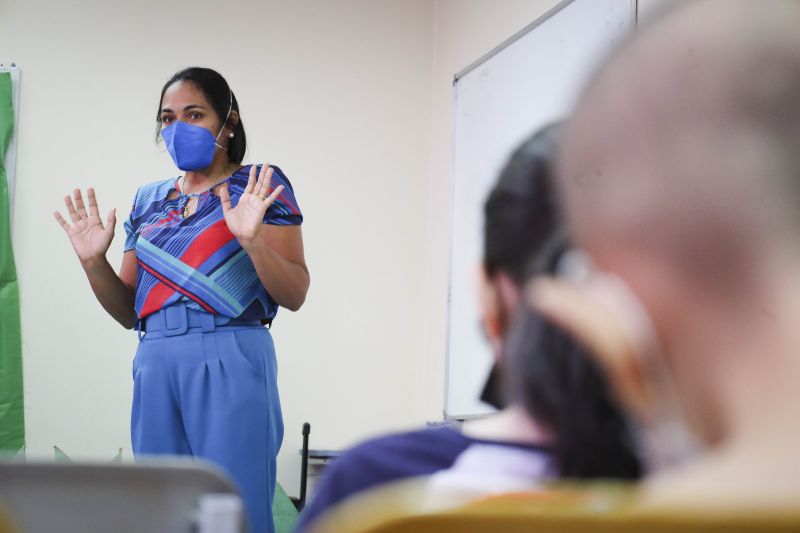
<point>209,389</point>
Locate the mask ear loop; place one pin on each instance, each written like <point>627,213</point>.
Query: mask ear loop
<point>664,437</point>
<point>224,122</point>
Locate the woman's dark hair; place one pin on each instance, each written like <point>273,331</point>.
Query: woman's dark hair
<point>545,370</point>
<point>558,383</point>
<point>220,96</point>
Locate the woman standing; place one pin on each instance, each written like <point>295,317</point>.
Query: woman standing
<point>209,256</point>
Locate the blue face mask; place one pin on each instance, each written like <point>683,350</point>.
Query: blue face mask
<point>192,147</point>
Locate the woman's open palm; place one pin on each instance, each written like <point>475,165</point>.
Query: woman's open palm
<point>246,219</point>
<point>88,236</point>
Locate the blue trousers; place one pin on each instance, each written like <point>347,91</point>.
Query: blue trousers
<point>209,389</point>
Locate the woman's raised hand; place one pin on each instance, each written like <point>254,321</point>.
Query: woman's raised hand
<point>88,236</point>
<point>245,220</point>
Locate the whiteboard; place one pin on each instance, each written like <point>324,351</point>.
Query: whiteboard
<point>529,80</point>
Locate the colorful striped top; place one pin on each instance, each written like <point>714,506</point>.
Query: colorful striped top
<point>196,259</point>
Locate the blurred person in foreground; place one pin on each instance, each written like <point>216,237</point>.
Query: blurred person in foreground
<point>570,428</point>
<point>680,174</point>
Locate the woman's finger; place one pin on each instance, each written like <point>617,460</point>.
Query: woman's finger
<point>79,203</point>
<point>225,198</point>
<point>259,190</point>
<point>251,179</point>
<point>264,169</point>
<point>111,220</point>
<point>73,215</point>
<point>63,223</point>
<point>93,209</point>
<point>272,197</point>
<point>266,181</point>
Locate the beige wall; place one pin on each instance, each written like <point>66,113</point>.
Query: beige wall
<point>352,98</point>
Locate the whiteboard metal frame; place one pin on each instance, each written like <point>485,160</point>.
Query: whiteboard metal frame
<point>460,74</point>
<point>524,31</point>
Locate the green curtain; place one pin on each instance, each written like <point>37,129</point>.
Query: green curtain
<point>12,419</point>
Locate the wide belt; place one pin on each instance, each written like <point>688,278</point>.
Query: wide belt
<point>178,320</point>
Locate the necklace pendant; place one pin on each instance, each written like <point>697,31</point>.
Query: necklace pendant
<point>189,208</point>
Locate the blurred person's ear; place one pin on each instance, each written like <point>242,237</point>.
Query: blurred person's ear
<point>498,296</point>
<point>577,310</point>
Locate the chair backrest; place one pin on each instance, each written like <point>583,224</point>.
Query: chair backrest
<point>405,507</point>
<point>79,497</point>
<point>436,523</point>
<point>518,516</point>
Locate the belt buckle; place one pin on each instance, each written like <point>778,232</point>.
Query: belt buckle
<point>175,320</point>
